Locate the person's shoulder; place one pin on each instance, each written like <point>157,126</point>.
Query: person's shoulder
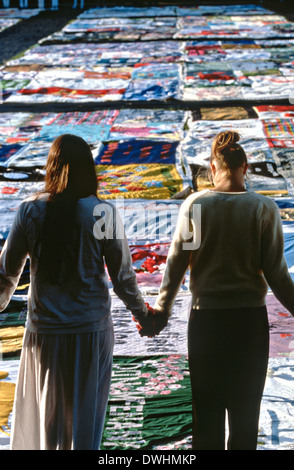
<point>34,200</point>
<point>93,207</point>
<point>264,206</point>
<point>93,202</point>
<point>31,207</point>
<point>196,197</point>
<point>263,200</point>
<point>190,202</point>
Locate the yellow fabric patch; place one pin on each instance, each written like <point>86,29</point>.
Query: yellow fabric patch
<point>150,181</point>
<point>7,390</point>
<point>11,339</point>
<point>212,114</point>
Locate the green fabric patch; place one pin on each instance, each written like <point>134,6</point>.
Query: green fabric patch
<point>150,403</point>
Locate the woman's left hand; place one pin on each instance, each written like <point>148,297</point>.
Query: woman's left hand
<point>152,324</point>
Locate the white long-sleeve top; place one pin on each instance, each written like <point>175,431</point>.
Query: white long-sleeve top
<point>237,252</point>
<point>84,303</point>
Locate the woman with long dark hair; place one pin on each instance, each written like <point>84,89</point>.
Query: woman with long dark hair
<point>66,360</point>
<point>231,240</point>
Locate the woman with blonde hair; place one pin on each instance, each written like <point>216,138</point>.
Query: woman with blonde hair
<point>234,249</point>
<point>65,366</point>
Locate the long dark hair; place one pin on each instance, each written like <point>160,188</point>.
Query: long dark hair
<point>70,175</point>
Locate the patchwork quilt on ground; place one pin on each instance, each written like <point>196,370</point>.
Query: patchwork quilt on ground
<point>130,76</point>
<point>150,390</point>
<point>200,55</point>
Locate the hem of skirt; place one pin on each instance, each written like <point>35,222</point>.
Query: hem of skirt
<point>88,328</point>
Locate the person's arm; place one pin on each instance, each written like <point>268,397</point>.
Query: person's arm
<point>177,263</point>
<point>12,260</point>
<point>119,264</point>
<point>274,264</point>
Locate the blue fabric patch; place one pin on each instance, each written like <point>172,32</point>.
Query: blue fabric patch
<point>136,151</point>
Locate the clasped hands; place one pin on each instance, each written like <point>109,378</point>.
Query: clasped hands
<point>152,324</point>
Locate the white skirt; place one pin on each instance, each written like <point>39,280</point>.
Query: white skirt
<point>62,391</point>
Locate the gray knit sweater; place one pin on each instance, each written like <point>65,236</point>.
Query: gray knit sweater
<point>233,245</point>
<point>84,303</point>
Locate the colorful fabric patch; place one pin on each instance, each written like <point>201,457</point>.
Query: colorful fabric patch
<point>137,151</point>
<point>160,409</point>
<point>284,158</point>
<point>152,123</point>
<point>274,111</point>
<point>7,151</point>
<point>146,89</point>
<point>281,143</point>
<point>278,128</point>
<point>151,181</point>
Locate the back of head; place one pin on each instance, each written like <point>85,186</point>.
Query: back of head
<point>226,150</point>
<point>70,168</point>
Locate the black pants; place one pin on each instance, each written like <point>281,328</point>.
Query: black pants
<point>228,358</point>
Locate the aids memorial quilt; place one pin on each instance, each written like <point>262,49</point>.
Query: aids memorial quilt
<point>152,387</point>
<point>201,55</point>
<point>148,89</point>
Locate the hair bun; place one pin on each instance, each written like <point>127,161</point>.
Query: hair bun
<point>227,151</point>
<point>226,140</point>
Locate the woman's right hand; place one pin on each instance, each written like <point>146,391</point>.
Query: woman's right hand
<point>151,324</point>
